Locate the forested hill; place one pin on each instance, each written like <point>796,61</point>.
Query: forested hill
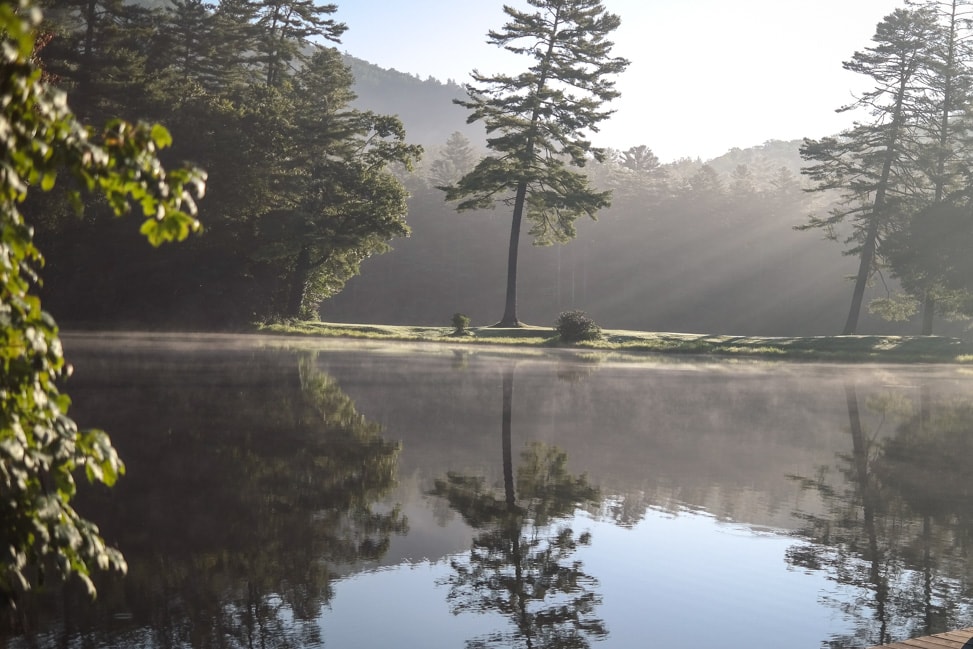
<point>429,115</point>
<point>425,107</point>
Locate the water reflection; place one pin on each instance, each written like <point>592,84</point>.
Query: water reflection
<point>266,505</point>
<point>250,489</point>
<point>897,527</point>
<point>520,563</point>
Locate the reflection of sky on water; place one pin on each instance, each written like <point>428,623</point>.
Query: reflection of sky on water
<point>770,446</point>
<point>669,581</point>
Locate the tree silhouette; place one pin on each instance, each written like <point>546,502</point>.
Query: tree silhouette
<point>897,526</point>
<point>520,564</point>
<point>871,163</point>
<point>538,123</point>
<point>236,517</point>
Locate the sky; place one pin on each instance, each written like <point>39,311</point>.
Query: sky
<point>705,76</point>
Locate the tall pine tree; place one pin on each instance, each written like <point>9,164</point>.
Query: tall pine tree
<point>873,163</point>
<point>538,123</point>
<point>913,252</point>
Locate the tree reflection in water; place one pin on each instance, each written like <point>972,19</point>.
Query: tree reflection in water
<point>898,525</point>
<point>520,564</point>
<point>235,517</point>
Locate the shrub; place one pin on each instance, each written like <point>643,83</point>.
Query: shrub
<point>573,326</point>
<point>461,323</point>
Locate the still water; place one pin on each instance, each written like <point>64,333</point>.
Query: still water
<point>291,493</point>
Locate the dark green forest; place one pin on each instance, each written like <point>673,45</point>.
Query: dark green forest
<point>320,162</point>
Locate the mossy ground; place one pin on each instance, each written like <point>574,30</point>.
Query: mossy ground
<point>863,348</point>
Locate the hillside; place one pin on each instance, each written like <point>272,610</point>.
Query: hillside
<point>425,107</point>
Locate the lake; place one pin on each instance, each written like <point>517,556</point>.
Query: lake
<point>285,492</point>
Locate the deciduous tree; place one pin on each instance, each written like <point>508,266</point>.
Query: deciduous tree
<point>41,448</point>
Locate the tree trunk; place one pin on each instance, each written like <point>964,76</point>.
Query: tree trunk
<point>864,270</point>
<point>874,555</point>
<point>298,285</point>
<point>928,311</point>
<point>81,97</point>
<point>505,434</point>
<point>510,308</point>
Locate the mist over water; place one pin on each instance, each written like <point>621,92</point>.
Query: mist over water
<point>294,492</point>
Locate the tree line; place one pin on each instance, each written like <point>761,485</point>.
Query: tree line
<point>300,185</point>
<point>685,246</point>
<point>904,170</point>
<point>304,187</point>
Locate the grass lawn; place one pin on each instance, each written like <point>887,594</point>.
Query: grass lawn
<point>886,349</point>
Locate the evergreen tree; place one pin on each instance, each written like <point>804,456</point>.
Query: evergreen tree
<point>235,40</point>
<point>640,159</point>
<point>706,195</point>
<point>341,202</point>
<point>300,183</point>
<point>456,160</point>
<point>943,124</point>
<point>637,178</point>
<point>205,46</point>
<point>873,164</point>
<point>98,54</point>
<point>286,26</point>
<point>785,194</point>
<point>537,123</point>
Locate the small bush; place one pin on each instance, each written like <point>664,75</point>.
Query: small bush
<point>574,326</point>
<point>461,323</point>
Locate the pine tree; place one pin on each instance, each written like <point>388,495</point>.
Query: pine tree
<point>944,122</point>
<point>456,160</point>
<point>873,164</point>
<point>98,54</point>
<point>286,26</point>
<point>538,121</point>
<point>339,203</point>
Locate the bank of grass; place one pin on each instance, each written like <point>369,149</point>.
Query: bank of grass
<point>865,348</point>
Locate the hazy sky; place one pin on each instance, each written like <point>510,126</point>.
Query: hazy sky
<point>705,75</point>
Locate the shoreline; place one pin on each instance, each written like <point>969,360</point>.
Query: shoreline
<point>856,348</point>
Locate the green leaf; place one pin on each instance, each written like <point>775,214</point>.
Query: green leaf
<point>161,136</point>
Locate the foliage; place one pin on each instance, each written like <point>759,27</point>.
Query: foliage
<point>235,518</point>
<point>575,326</point>
<point>455,161</point>
<point>872,164</point>
<point>894,308</point>
<point>538,122</point>
<point>301,191</point>
<point>284,26</point>
<point>903,168</point>
<point>41,448</point>
<point>633,344</point>
<point>461,323</point>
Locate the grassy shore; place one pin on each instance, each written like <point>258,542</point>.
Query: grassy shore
<point>882,349</point>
